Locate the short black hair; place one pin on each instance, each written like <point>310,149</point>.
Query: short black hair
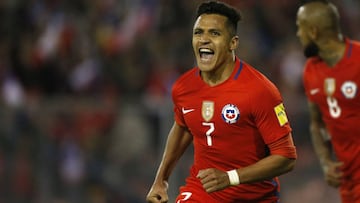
<point>215,7</point>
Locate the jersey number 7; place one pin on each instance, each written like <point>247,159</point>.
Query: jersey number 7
<point>209,131</point>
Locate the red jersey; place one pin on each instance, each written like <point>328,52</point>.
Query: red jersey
<point>335,91</point>
<point>231,124</point>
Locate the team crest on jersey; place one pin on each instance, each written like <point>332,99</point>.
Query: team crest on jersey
<point>230,113</point>
<point>207,110</point>
<point>349,89</point>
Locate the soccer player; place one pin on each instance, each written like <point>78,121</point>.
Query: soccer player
<point>331,80</point>
<point>233,115</point>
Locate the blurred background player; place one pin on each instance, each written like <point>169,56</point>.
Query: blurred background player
<point>331,80</point>
<point>234,116</point>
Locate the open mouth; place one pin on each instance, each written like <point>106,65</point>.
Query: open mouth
<point>206,54</point>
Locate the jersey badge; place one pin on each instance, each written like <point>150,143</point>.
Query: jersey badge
<point>207,110</point>
<point>280,114</point>
<point>230,113</point>
<point>329,86</point>
<point>349,89</point>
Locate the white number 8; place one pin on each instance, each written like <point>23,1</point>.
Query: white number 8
<point>334,108</point>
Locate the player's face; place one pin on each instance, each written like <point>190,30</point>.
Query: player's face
<point>212,42</point>
<point>310,47</point>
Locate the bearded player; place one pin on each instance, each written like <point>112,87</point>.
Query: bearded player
<point>331,80</point>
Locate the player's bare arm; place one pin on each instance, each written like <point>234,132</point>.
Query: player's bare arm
<point>318,134</point>
<point>267,168</point>
<point>321,143</point>
<point>178,140</point>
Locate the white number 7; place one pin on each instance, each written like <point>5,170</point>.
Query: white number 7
<point>187,196</point>
<point>208,132</point>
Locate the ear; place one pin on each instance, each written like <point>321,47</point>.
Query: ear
<point>234,42</point>
<point>313,33</point>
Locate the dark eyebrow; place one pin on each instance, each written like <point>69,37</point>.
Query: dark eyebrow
<point>210,30</point>
<point>198,30</point>
<point>214,30</point>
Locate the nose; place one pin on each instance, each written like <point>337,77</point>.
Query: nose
<point>204,39</point>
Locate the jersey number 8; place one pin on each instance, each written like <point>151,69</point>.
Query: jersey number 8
<point>334,108</point>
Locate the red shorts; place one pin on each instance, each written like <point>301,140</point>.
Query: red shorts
<point>193,192</point>
<point>190,194</point>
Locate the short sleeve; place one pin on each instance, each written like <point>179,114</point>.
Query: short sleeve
<point>270,114</point>
<point>178,116</point>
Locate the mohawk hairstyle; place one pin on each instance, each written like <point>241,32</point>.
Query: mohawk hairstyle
<point>215,7</point>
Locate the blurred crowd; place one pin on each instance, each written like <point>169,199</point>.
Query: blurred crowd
<point>85,93</point>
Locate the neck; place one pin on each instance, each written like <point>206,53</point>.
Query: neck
<point>333,51</point>
<point>220,74</point>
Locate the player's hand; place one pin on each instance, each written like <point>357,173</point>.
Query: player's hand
<point>158,193</point>
<point>213,179</point>
<point>332,172</point>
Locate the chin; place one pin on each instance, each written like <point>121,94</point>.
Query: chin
<point>205,67</point>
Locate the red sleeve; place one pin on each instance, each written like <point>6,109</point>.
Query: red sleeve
<point>270,115</point>
<point>284,147</point>
<point>308,77</point>
<point>178,116</point>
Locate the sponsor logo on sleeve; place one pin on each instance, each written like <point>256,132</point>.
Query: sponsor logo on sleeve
<point>280,114</point>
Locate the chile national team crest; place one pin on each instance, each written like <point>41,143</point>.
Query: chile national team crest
<point>349,89</point>
<point>230,113</point>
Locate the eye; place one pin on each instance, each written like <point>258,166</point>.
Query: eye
<point>215,33</point>
<point>197,32</point>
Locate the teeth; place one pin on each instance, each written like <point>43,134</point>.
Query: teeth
<point>206,50</point>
